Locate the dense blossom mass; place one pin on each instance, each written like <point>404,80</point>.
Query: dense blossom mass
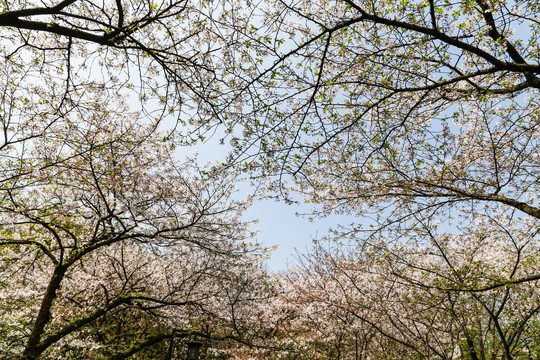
<point>420,118</point>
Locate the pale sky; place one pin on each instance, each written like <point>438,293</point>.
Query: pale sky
<point>280,226</point>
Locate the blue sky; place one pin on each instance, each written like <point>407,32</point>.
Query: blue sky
<point>279,225</point>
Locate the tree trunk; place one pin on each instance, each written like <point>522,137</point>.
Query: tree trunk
<point>32,350</point>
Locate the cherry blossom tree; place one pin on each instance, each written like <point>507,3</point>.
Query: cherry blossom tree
<point>107,251</point>
<point>400,111</point>
<point>157,51</point>
<point>432,298</point>
<point>109,245</point>
<point>60,59</point>
<point>347,73</point>
<point>420,118</point>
